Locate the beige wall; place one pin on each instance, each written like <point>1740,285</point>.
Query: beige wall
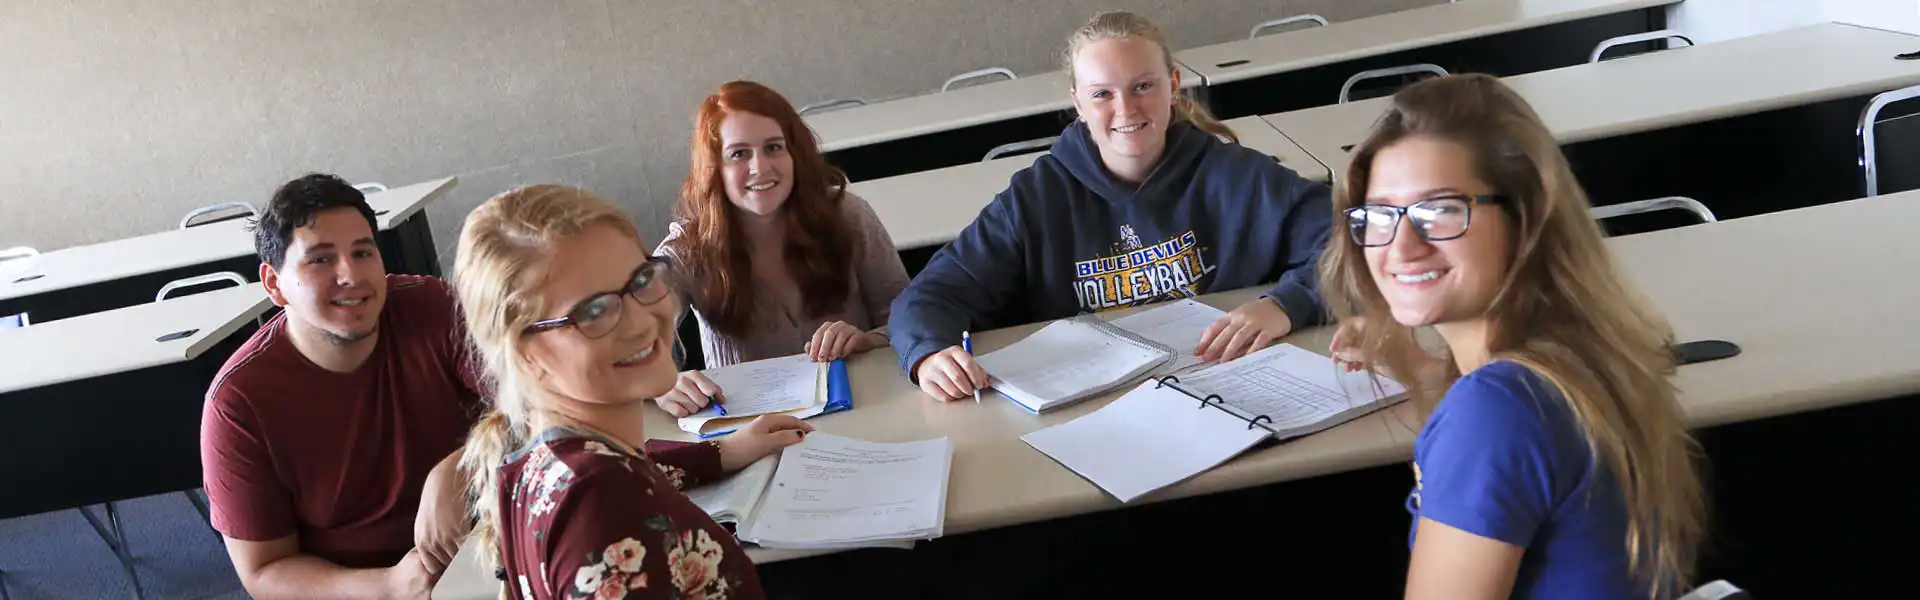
<point>116,117</point>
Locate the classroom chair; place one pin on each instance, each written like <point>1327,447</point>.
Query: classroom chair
<point>1642,207</point>
<point>197,497</point>
<point>1406,73</point>
<point>1020,147</point>
<point>832,103</point>
<point>1902,133</point>
<point>224,211</point>
<point>1665,35</point>
<point>1316,20</point>
<point>116,539</point>
<point>987,72</point>
<point>1717,590</point>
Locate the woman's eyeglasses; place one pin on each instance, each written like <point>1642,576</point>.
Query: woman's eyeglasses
<point>597,316</point>
<point>1437,219</point>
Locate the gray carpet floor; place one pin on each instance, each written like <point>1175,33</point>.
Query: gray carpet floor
<point>57,555</point>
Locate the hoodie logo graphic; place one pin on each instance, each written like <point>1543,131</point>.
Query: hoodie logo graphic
<point>1128,241</point>
<point>1138,274</point>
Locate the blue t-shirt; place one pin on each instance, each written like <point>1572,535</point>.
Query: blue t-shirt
<point>1503,457</point>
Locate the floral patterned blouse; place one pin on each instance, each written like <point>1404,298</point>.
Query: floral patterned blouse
<point>582,518</point>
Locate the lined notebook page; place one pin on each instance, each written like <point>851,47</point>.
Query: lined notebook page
<point>1148,439</point>
<point>1291,385</point>
<point>1176,325</point>
<point>1065,360</point>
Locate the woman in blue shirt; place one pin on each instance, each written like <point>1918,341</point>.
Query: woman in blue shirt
<point>1557,463</point>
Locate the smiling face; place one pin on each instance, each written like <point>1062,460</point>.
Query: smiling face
<point>1436,282</point>
<point>633,359</point>
<point>1124,91</point>
<point>754,163</point>
<point>332,280</point>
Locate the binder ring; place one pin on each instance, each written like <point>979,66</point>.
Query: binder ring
<point>1165,381</point>
<point>1256,421</point>
<point>1211,399</point>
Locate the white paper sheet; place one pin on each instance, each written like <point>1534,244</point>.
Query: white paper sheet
<point>1148,439</point>
<point>834,490</point>
<point>1177,325</point>
<point>732,500</point>
<point>1291,385</point>
<point>1064,361</point>
<point>759,388</point>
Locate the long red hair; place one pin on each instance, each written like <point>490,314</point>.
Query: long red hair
<point>714,262</point>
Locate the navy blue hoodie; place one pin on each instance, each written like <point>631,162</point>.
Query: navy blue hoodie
<point>1066,238</point>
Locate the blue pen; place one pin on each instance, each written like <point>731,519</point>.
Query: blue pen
<point>717,407</point>
<point>966,343</point>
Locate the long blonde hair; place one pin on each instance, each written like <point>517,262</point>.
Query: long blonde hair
<point>504,247</point>
<point>1562,310</point>
<point>1122,25</point>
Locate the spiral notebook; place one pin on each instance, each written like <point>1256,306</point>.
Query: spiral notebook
<point>1071,360</point>
<point>1171,428</point>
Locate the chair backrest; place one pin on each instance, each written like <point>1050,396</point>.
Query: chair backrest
<point>1317,20</point>
<point>832,103</point>
<point>224,211</point>
<point>17,258</point>
<point>1346,89</point>
<point>1895,139</point>
<point>1699,211</point>
<point>167,291</point>
<point>987,72</point>
<point>1647,39</point>
<point>1020,147</point>
<point>1718,590</point>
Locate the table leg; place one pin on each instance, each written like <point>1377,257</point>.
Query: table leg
<point>116,540</point>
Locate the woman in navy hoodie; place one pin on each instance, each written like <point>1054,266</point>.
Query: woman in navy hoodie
<point>1140,201</point>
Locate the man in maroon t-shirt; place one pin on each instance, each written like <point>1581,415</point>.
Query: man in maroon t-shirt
<point>330,439</point>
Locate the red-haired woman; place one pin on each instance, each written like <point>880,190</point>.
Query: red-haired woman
<point>771,252</point>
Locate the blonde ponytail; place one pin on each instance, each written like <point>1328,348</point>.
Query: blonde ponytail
<point>1186,109</point>
<point>1122,25</point>
<point>487,447</point>
<point>504,247</point>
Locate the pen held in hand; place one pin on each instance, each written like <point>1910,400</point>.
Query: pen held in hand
<point>966,343</point>
<point>717,406</point>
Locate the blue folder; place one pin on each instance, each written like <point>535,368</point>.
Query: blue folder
<point>839,395</point>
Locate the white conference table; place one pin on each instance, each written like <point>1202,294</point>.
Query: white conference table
<point>931,208</point>
<point>1392,32</point>
<point>104,262</point>
<point>1717,80</point>
<point>943,111</point>
<point>1730,280</point>
<point>116,341</point>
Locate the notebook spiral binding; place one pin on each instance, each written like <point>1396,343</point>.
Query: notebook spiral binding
<point>1214,400</point>
<point>1125,336</point>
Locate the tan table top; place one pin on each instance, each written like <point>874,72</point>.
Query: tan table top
<point>1392,32</point>
<point>943,111</point>
<point>1627,95</point>
<point>127,257</point>
<point>1733,280</point>
<point>930,208</point>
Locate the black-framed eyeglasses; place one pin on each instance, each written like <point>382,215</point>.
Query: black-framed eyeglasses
<point>598,315</point>
<point>1437,219</point>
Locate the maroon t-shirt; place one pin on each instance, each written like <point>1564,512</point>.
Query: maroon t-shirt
<point>340,458</point>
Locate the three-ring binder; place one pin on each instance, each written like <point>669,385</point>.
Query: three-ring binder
<point>1214,400</point>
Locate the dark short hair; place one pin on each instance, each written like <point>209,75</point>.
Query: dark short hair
<point>295,205</point>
